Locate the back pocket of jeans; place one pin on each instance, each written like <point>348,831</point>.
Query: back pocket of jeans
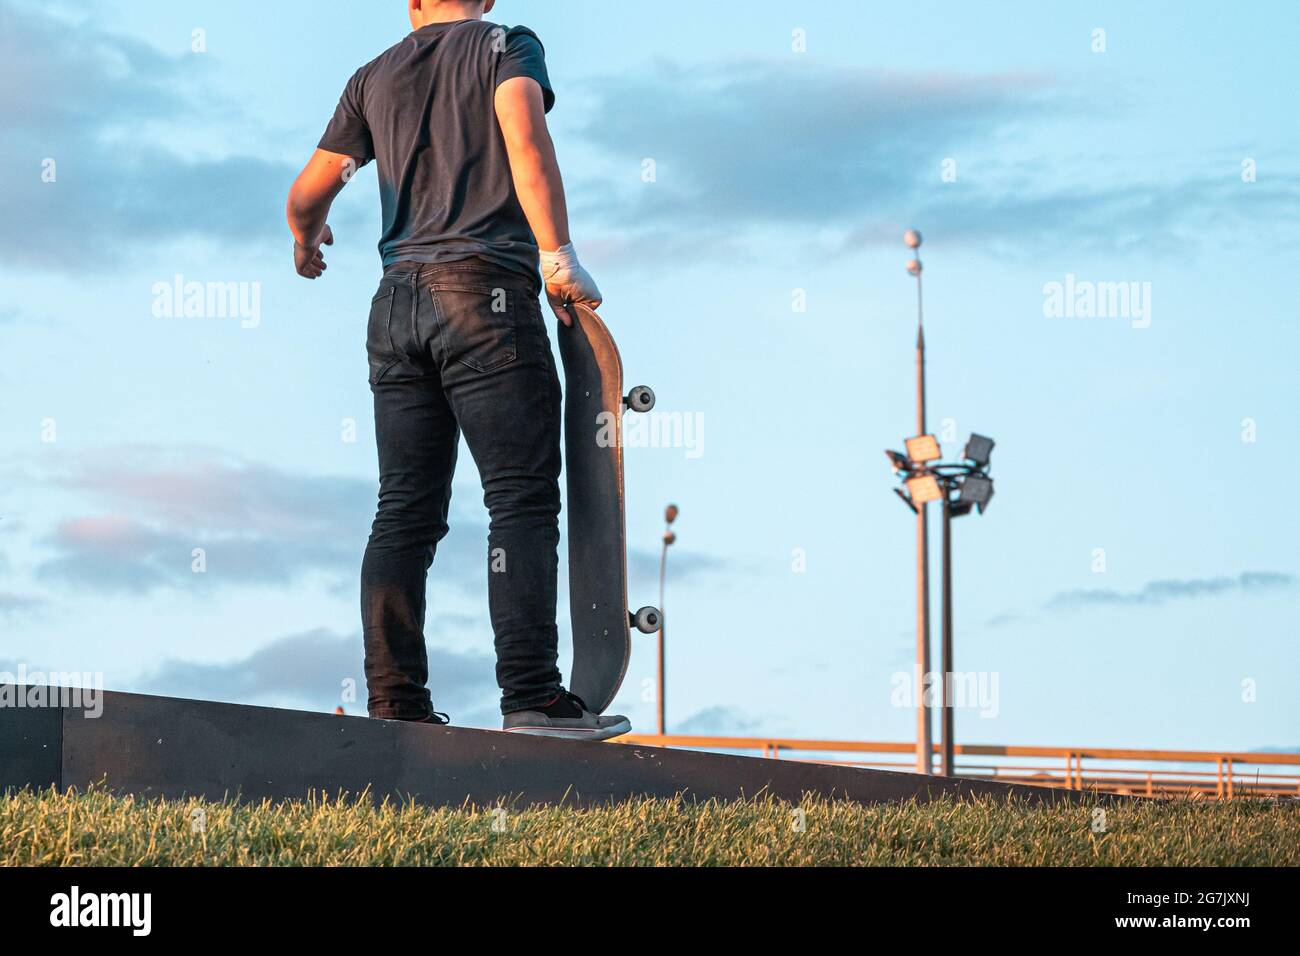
<point>379,336</point>
<point>477,324</point>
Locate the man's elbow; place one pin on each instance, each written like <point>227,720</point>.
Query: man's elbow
<point>300,205</point>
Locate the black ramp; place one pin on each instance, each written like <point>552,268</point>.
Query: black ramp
<point>159,746</point>
<point>30,741</point>
<point>169,747</point>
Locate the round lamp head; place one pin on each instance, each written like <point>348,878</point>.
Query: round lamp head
<point>914,267</point>
<point>912,238</point>
<point>670,514</point>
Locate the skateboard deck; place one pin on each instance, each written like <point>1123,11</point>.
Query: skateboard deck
<point>593,463</point>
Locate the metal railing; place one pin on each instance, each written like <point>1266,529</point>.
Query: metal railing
<point>1221,775</point>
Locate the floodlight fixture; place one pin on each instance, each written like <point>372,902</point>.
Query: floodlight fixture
<point>976,490</point>
<point>923,448</point>
<point>978,450</point>
<point>924,489</point>
<point>898,461</point>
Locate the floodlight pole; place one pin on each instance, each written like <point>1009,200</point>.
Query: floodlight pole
<point>661,692</point>
<point>924,737</point>
<point>659,676</point>
<point>947,702</point>
<point>928,479</point>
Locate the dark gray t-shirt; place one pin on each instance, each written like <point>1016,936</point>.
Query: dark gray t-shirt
<point>424,110</point>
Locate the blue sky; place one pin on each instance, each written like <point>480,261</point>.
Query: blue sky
<point>127,439</point>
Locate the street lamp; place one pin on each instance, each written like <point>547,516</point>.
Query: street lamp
<point>670,538</point>
<point>962,487</point>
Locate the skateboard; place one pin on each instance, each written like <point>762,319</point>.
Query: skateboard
<point>593,464</point>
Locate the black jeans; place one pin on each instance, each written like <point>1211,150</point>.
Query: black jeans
<point>452,348</point>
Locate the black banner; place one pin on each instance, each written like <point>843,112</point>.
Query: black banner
<point>331,906</point>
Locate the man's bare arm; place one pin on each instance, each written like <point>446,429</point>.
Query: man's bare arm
<point>521,113</point>
<point>536,171</point>
<point>308,208</point>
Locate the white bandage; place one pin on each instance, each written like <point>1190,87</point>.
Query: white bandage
<point>557,265</point>
<point>561,269</point>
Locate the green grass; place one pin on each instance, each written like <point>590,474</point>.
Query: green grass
<point>95,828</point>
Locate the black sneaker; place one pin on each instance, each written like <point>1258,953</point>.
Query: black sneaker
<point>566,716</point>
<point>433,718</point>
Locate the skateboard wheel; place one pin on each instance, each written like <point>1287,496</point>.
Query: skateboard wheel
<point>640,399</point>
<point>647,620</point>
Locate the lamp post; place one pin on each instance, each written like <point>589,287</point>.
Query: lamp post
<point>670,538</point>
<point>962,487</point>
<point>946,731</point>
<point>924,738</point>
